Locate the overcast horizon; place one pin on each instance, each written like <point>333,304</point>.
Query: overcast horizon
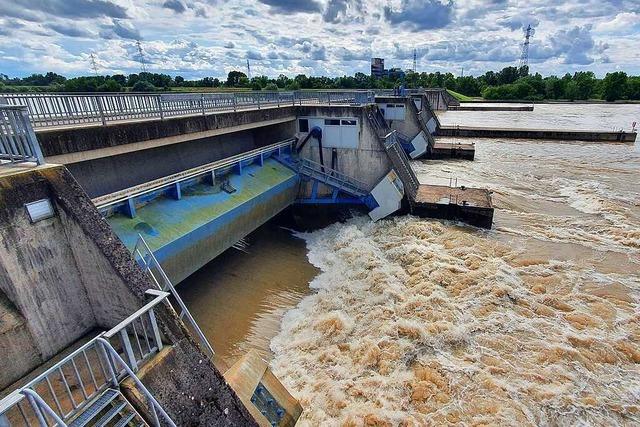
<point>197,38</point>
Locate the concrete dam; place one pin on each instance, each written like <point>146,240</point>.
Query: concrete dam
<point>109,201</point>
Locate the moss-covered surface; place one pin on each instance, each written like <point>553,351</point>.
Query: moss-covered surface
<point>164,220</point>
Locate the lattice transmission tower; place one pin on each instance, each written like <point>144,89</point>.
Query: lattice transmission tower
<point>94,65</point>
<point>524,55</point>
<point>143,65</point>
<point>415,60</point>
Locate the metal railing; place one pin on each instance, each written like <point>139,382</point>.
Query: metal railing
<point>148,261</point>
<point>53,109</point>
<point>401,164</point>
<point>148,187</point>
<point>64,390</point>
<point>332,177</point>
<point>18,142</point>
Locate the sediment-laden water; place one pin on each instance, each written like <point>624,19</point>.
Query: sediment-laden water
<point>417,322</point>
<point>599,117</point>
<point>536,322</point>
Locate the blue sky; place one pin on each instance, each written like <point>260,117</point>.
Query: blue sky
<point>198,38</point>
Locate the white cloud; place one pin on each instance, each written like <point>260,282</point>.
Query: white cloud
<point>197,38</point>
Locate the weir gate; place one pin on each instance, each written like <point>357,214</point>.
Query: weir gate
<point>106,197</point>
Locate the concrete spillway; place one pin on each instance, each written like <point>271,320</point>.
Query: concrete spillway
<point>187,233</point>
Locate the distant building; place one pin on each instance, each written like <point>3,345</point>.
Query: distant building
<point>378,71</point>
<point>395,73</point>
<point>377,68</point>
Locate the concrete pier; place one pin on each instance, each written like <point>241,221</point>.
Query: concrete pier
<point>548,134</point>
<point>470,205</point>
<point>453,150</point>
<point>468,107</point>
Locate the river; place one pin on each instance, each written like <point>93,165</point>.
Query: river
<point>419,322</point>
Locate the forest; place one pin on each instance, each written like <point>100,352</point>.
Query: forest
<point>510,83</point>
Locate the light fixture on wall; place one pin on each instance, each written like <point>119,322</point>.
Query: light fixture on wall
<point>39,210</point>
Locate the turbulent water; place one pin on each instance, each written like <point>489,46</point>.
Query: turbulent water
<point>535,322</point>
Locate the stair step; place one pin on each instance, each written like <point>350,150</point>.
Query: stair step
<point>94,408</point>
<point>126,419</point>
<point>109,415</point>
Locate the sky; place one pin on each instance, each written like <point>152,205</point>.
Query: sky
<point>199,38</point>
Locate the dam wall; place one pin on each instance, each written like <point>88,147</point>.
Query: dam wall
<point>65,274</point>
<point>545,134</point>
<point>51,272</point>
<point>361,156</point>
<point>404,121</point>
<point>110,174</point>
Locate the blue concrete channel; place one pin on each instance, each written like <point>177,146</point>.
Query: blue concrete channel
<point>188,231</point>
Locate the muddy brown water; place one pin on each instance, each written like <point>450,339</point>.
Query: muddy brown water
<point>411,321</point>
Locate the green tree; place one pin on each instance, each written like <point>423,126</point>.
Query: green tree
<point>110,86</point>
<point>143,86</point>
<point>233,78</point>
<point>613,86</point>
<point>272,87</point>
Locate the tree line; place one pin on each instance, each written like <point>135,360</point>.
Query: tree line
<point>510,83</point>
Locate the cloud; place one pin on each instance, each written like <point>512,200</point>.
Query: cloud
<point>68,8</point>
<point>345,11</point>
<point>120,29</point>
<point>69,30</point>
<point>229,45</point>
<point>175,5</point>
<point>289,7</point>
<point>421,14</point>
<point>574,45</point>
<point>254,55</point>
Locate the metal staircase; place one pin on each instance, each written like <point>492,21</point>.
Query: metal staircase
<point>332,178</point>
<point>84,387</point>
<point>108,409</point>
<point>401,164</point>
<point>396,153</point>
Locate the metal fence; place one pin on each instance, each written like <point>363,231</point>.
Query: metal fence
<point>64,390</point>
<point>53,109</point>
<point>18,141</point>
<point>148,261</point>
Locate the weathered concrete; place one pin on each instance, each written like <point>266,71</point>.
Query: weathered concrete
<point>58,142</point>
<point>491,108</point>
<point>369,162</point>
<point>70,274</point>
<point>440,99</point>
<point>410,126</point>
<point>110,174</point>
<point>177,376</point>
<point>470,205</point>
<point>548,134</point>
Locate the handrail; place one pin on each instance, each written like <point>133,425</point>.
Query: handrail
<point>63,109</point>
<point>90,370</point>
<point>153,402</point>
<point>18,142</point>
<point>148,187</point>
<point>168,285</point>
<point>159,297</point>
<point>315,170</point>
<point>38,403</point>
